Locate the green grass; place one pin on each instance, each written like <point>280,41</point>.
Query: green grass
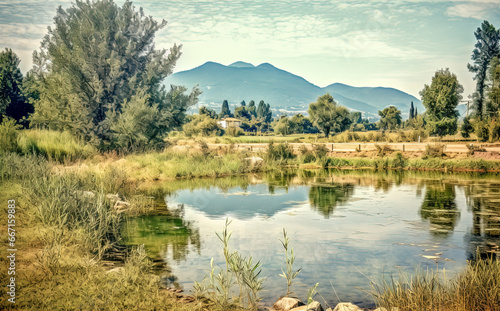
<point>57,146</point>
<point>476,288</point>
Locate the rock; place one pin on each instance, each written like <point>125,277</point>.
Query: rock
<point>113,197</point>
<point>313,306</point>
<point>287,304</point>
<point>346,306</point>
<point>255,160</point>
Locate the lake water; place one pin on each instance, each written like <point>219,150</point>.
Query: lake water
<point>346,227</point>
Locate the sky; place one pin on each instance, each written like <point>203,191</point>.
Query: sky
<point>398,43</point>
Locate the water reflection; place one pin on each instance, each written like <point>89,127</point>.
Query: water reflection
<point>440,208</point>
<point>340,221</point>
<point>325,198</point>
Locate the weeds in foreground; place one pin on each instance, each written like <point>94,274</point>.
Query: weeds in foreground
<point>290,273</point>
<point>241,272</point>
<point>476,288</point>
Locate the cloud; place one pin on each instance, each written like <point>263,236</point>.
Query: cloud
<point>479,10</point>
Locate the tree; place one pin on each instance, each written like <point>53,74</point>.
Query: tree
<point>225,112</point>
<point>100,60</point>
<point>440,100</point>
<point>493,103</point>
<point>241,113</point>
<point>327,116</point>
<point>264,113</point>
<point>390,118</point>
<point>202,125</point>
<point>466,128</point>
<point>486,47</point>
<point>284,126</point>
<point>12,100</point>
<point>251,109</point>
<point>243,104</point>
<point>412,111</point>
<point>207,111</point>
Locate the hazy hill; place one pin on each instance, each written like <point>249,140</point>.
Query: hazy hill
<point>286,92</point>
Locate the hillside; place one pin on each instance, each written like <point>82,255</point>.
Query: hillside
<point>286,92</point>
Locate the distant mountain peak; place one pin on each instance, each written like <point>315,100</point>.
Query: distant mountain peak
<point>240,64</point>
<point>266,66</point>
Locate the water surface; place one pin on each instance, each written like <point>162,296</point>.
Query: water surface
<point>346,228</point>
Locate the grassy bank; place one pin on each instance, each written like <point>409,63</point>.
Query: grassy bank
<point>66,232</point>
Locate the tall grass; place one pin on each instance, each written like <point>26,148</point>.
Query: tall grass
<point>476,288</point>
<point>54,145</point>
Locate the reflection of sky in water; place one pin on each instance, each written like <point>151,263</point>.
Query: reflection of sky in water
<point>371,233</point>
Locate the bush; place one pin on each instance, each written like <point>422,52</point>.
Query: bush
<point>9,131</point>
<point>280,152</point>
<point>399,161</point>
<point>436,151</point>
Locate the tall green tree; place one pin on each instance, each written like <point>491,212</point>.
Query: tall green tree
<point>412,111</point>
<point>225,112</point>
<point>241,113</point>
<point>327,116</point>
<point>252,109</point>
<point>487,47</point>
<point>440,99</point>
<point>390,118</point>
<point>207,111</point>
<point>493,103</point>
<point>99,61</point>
<point>12,100</point>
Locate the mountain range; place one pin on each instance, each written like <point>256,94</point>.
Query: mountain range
<point>285,92</point>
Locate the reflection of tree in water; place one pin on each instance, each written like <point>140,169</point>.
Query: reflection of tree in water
<point>440,208</point>
<point>161,233</point>
<point>484,202</point>
<point>325,198</point>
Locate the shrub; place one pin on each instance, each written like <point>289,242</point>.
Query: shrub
<point>9,131</point>
<point>436,151</point>
<point>280,152</point>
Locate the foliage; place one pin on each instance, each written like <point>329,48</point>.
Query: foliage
<point>9,132</point>
<point>493,100</point>
<point>440,100</point>
<point>434,151</point>
<point>412,114</point>
<point>234,131</point>
<point>284,126</point>
<point>12,101</point>
<point>225,112</point>
<point>207,111</point>
<point>390,118</point>
<point>290,272</point>
<point>202,125</point>
<point>476,288</point>
<point>466,128</point>
<point>281,152</point>
<point>242,113</point>
<point>54,145</point>
<point>486,47</point>
<point>98,69</point>
<point>327,116</point>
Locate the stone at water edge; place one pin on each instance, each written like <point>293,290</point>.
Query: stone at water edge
<point>287,304</point>
<point>313,306</point>
<point>345,306</point>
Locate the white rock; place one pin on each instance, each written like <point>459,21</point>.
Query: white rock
<point>347,306</point>
<point>313,306</point>
<point>286,304</point>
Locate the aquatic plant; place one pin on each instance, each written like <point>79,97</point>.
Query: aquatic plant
<point>290,273</point>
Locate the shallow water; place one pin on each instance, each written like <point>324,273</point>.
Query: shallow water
<point>346,228</point>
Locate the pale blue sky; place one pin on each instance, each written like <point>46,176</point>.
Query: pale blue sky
<point>398,43</point>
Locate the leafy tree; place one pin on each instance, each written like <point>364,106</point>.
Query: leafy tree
<point>98,61</point>
<point>202,125</point>
<point>356,117</point>
<point>209,112</point>
<point>252,109</point>
<point>327,116</point>
<point>487,47</point>
<point>243,104</point>
<point>494,88</point>
<point>284,126</point>
<point>440,100</point>
<point>264,114</point>
<point>225,112</point>
<point>390,118</point>
<point>242,113</point>
<point>412,111</point>
<point>466,128</point>
<point>12,101</point>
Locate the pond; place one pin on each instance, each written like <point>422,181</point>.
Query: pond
<point>346,227</point>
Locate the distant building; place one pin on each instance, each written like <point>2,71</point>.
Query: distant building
<point>229,122</point>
